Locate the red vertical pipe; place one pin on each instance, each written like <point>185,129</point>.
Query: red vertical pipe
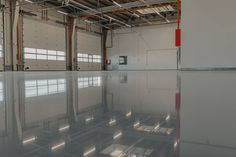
<point>178,30</point>
<point>178,13</point>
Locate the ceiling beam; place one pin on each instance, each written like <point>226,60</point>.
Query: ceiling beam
<point>130,5</point>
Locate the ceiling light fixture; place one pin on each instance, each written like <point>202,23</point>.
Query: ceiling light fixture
<point>29,1</point>
<point>116,3</point>
<point>136,15</point>
<point>62,12</point>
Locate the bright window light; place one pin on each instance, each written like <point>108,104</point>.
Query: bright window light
<point>51,52</point>
<point>41,51</point>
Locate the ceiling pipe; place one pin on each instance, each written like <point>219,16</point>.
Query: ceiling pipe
<point>159,14</point>
<point>98,12</point>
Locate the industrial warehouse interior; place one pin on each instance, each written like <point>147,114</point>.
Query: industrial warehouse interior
<point>117,78</point>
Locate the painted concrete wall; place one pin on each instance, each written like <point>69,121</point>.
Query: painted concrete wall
<point>147,48</point>
<point>209,34</point>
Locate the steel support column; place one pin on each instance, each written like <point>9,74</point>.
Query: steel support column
<point>11,35</point>
<point>70,44</point>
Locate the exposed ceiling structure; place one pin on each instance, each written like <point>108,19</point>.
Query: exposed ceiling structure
<point>113,14</point>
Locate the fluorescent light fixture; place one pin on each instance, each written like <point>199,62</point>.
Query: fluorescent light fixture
<point>127,25</point>
<point>112,121</point>
<point>29,1</point>
<point>57,146</point>
<point>88,21</point>
<point>117,135</point>
<point>90,151</point>
<point>117,4</point>
<point>62,12</point>
<point>64,128</point>
<point>29,140</point>
<point>167,117</point>
<point>136,124</point>
<point>136,15</point>
<point>168,21</point>
<point>128,114</point>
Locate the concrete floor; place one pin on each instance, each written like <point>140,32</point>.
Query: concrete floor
<point>118,114</point>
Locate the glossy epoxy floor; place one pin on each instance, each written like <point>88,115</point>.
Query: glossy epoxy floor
<point>118,114</point>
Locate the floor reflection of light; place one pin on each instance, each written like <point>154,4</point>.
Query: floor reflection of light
<point>136,124</point>
<point>117,135</point>
<point>112,121</point>
<point>175,144</point>
<point>157,127</point>
<point>167,117</point>
<point>90,151</point>
<point>29,140</point>
<point>128,114</point>
<point>89,119</point>
<point>57,146</point>
<point>64,128</point>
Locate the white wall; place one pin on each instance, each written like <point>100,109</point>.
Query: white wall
<point>209,34</point>
<point>150,47</point>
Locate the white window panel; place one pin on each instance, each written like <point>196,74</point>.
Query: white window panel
<point>30,56</point>
<point>42,82</point>
<point>85,55</point>
<point>30,50</point>
<point>61,58</point>
<point>80,59</point>
<point>31,83</point>
<point>61,87</point>
<point>52,89</point>
<point>41,51</point>
<point>1,54</point>
<point>80,85</point>
<point>80,55</point>
<point>61,81</point>
<point>85,60</point>
<point>60,53</point>
<point>1,47</point>
<point>52,82</point>
<point>43,57</point>
<point>52,52</point>
<point>54,58</point>
<point>42,90</point>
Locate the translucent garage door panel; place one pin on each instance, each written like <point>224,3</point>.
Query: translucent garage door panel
<point>38,34</point>
<point>89,43</point>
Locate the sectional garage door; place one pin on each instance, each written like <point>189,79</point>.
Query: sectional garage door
<point>44,45</point>
<point>89,51</point>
